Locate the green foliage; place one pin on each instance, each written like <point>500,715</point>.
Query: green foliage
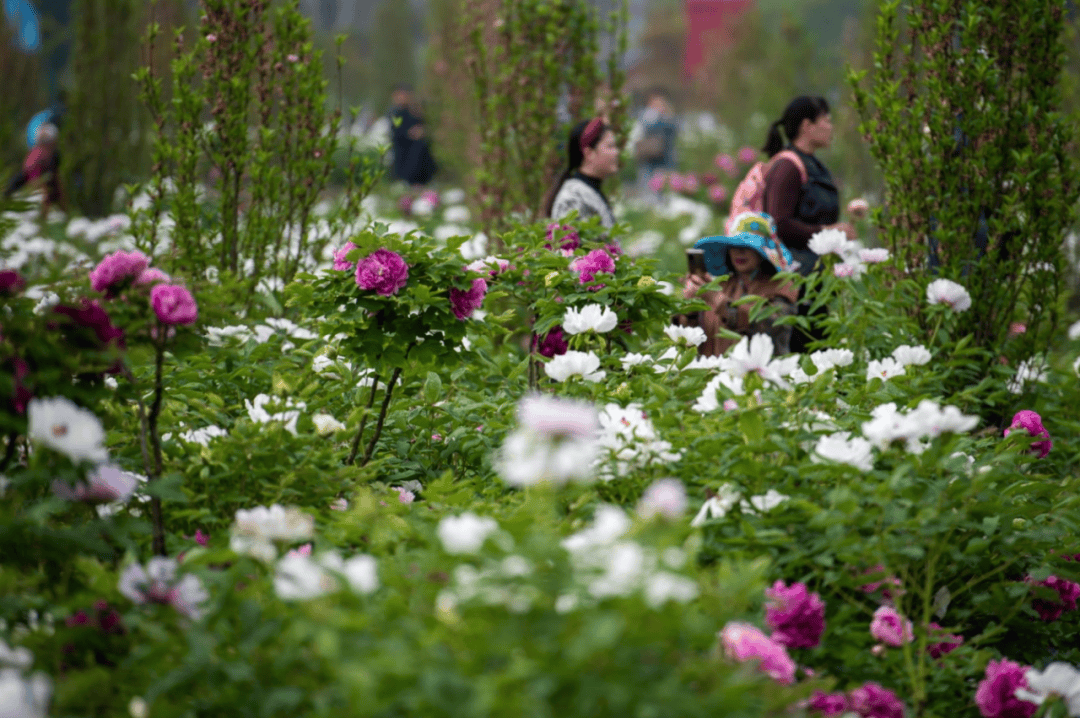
<point>962,111</point>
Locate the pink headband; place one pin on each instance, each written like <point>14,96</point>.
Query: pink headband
<point>590,133</point>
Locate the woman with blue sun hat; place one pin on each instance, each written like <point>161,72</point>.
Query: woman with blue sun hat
<point>751,258</point>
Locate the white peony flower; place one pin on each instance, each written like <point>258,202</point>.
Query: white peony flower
<point>828,241</point>
<point>256,530</point>
<point>203,436</point>
<point>555,418</point>
<point>841,448</point>
<point>299,577</point>
<point>465,534</point>
<point>629,440</point>
<point>885,369</point>
<point>944,291</point>
<point>585,364</point>
<point>1058,679</point>
<point>911,355</point>
<point>1030,370</point>
<point>826,359</point>
<point>717,506</point>
<point>157,584</point>
<point>24,696</point>
<point>631,360</point>
<point>767,502</point>
<point>457,213</point>
<point>590,318</point>
<point>258,413</point>
<point>104,485</point>
<point>488,265</point>
<point>927,421</point>
<point>754,355</point>
<point>1074,331</point>
<point>665,497</point>
<point>69,429</point>
<point>20,658</point>
<point>610,523</point>
<point>873,256</point>
<point>664,586</point>
<point>690,336</point>
<point>325,424</point>
<point>527,457</point>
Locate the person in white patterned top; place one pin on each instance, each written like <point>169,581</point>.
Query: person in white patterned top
<point>592,156</point>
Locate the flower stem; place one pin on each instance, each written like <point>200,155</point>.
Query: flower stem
<point>941,318</point>
<point>363,421</point>
<point>382,416</point>
<point>155,444</point>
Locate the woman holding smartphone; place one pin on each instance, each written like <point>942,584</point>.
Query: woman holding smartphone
<point>751,258</point>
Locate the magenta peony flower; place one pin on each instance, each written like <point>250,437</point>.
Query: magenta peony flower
<point>727,163</point>
<point>657,182</point>
<point>552,344</point>
<point>1031,421</point>
<point>570,238</point>
<point>90,315</point>
<point>383,272</point>
<point>996,694</point>
<point>11,282</point>
<point>1067,591</point>
<point>341,264</point>
<point>888,626</point>
<point>796,615</point>
<point>151,276</point>
<point>431,197</point>
<point>405,204</point>
<point>744,642</point>
<point>747,155</point>
<point>947,642</point>
<point>595,262</point>
<point>115,269</point>
<point>173,304</point>
<point>888,593</point>
<point>873,701</point>
<point>463,302</point>
<point>690,183</point>
<point>829,704</point>
<point>201,538</point>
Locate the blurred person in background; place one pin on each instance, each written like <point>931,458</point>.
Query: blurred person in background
<point>802,200</point>
<point>413,162</point>
<point>653,137</point>
<point>41,168</point>
<point>592,156</point>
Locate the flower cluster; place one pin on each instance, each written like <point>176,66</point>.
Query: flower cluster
<point>257,530</point>
<point>1068,593</point>
<point>157,584</point>
<point>556,442</point>
<point>300,577</point>
<point>566,235</point>
<point>627,439</point>
<point>926,421</point>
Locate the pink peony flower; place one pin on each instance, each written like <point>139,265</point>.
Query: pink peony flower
<point>431,197</point>
<point>727,163</point>
<point>657,182</point>
<point>873,256</point>
<point>570,238</point>
<point>405,204</point>
<point>211,37</point>
<point>872,701</point>
<point>844,270</point>
<point>744,642</point>
<point>405,496</point>
<point>201,538</point>
<point>675,182</point>
<point>105,485</point>
<point>173,304</point>
<point>115,269</point>
<point>730,405</point>
<point>555,418</point>
<point>888,626</point>
<point>595,262</point>
<point>463,302</point>
<point>690,183</point>
<point>947,643</point>
<point>552,344</point>
<point>383,272</point>
<point>1016,329</point>
<point>747,155</point>
<point>996,694</point>
<point>341,263</point>
<point>796,615</point>
<point>1068,593</point>
<point>717,193</point>
<point>665,497</point>
<point>858,208</point>
<point>11,282</point>
<point>292,58</point>
<point>888,593</point>
<point>151,276</point>
<point>1031,421</point>
<point>339,504</point>
<point>436,437</point>
<point>828,704</point>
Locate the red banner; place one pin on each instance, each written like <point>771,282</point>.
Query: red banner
<point>708,21</point>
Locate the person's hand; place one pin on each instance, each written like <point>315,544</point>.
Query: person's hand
<point>692,287</point>
<point>416,132</point>
<point>846,228</point>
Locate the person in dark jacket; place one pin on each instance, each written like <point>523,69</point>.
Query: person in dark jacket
<point>413,161</point>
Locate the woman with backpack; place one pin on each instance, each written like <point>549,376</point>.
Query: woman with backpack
<point>592,156</point>
<point>799,191</point>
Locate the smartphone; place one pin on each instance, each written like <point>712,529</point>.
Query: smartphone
<point>695,261</point>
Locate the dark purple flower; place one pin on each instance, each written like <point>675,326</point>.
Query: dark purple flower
<point>463,302</point>
<point>996,694</point>
<point>946,642</point>
<point>796,615</point>
<point>383,272</point>
<point>1031,421</point>
<point>873,701</point>
<point>570,240</point>
<point>11,282</point>
<point>829,704</point>
<point>90,315</point>
<point>1067,591</point>
<point>552,344</point>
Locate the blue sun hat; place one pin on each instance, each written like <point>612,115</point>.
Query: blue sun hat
<point>753,230</point>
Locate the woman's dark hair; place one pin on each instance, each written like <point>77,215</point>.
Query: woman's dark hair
<point>799,109</point>
<point>575,155</point>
